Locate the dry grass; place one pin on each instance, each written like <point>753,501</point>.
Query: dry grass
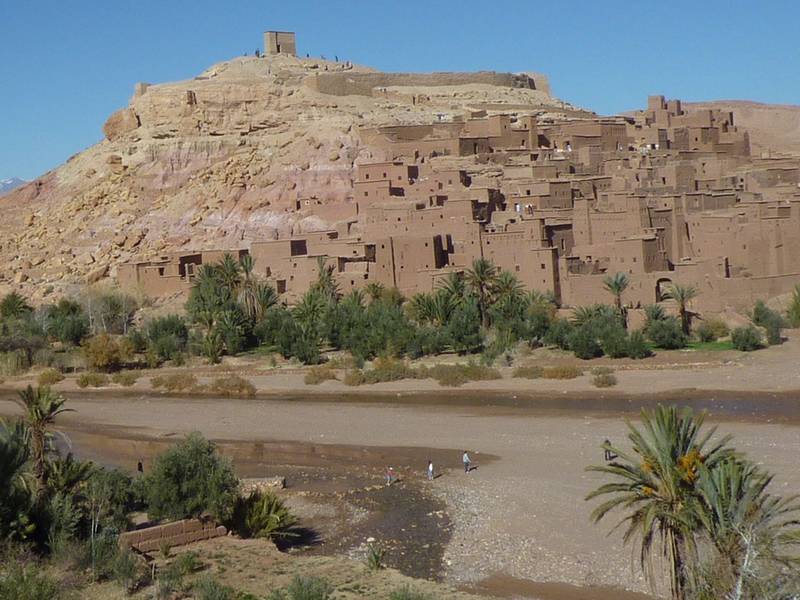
<point>50,377</point>
<point>92,380</point>
<point>233,386</point>
<point>561,372</point>
<point>175,382</point>
<point>528,372</point>
<point>317,375</point>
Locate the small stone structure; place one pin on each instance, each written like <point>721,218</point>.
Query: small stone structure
<point>280,42</point>
<point>177,533</point>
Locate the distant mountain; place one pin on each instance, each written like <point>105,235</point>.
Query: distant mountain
<point>6,185</point>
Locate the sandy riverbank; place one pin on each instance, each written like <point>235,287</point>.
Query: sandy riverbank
<point>520,514</point>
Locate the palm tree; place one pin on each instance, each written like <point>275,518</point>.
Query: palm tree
<point>15,487</point>
<point>326,283</point>
<point>657,484</point>
<point>266,298</point>
<point>734,509</point>
<point>616,286</point>
<point>581,315</point>
<point>454,287</point>
<point>374,290</point>
<point>508,285</point>
<point>229,272</point>
<point>13,305</point>
<point>247,290</point>
<point>41,407</point>
<point>421,308</point>
<point>481,278</point>
<point>682,294</point>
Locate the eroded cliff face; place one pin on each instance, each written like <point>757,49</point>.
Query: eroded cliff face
<point>212,162</point>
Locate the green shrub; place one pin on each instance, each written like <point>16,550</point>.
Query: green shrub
<point>558,334</point>
<point>233,386</point>
<point>667,334</point>
<point>188,563</point>
<point>770,320</point>
<point>529,372</point>
<point>705,333</point>
<point>746,338</point>
<point>375,556</point>
<point>43,357</point>
<point>27,582</point>
<point>637,346</point>
<point>92,380</point>
<point>583,342</point>
<point>125,570</point>
<point>408,593</point>
<point>188,479</point>
<point>561,372</point>
<point>50,377</point>
<point>263,514</point>
<point>124,378</point>
<point>175,382</point>
<point>208,588</point>
<point>614,342</point>
<point>354,377</point>
<point>604,380</point>
<point>317,375</point>
<point>304,588</point>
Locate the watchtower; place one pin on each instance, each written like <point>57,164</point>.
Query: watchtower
<point>280,42</point>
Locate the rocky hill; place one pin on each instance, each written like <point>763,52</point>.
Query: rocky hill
<point>222,159</point>
<point>774,128</point>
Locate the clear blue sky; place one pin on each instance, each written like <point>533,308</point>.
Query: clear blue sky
<point>65,66</point>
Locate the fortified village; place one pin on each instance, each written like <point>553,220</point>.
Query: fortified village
<point>665,195</point>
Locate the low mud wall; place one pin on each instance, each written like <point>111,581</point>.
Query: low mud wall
<point>177,533</point>
<point>361,84</point>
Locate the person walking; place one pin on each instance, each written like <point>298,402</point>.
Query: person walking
<point>467,462</point>
<point>430,470</point>
<point>391,476</point>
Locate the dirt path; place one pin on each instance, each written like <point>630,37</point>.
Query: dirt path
<point>521,515</point>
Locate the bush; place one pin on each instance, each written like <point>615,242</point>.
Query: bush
<point>712,329</point>
<point>208,588</point>
<point>233,386</point>
<point>27,582</point>
<point>189,479</point>
<point>13,363</point>
<point>408,593</point>
<point>263,515</point>
<point>561,372</point>
<point>604,380</point>
<point>455,375</point>
<point>614,342</point>
<point>43,357</point>
<point>125,570</point>
<point>583,342</point>
<point>304,588</point>
<point>388,369</point>
<point>637,346</point>
<point>92,380</point>
<point>355,377</point>
<point>770,320</point>
<point>705,333</point>
<point>558,334</point>
<point>105,353</point>
<point>746,338</point>
<point>602,371</point>
<point>50,377</point>
<point>667,334</point>
<point>375,556</point>
<point>175,382</point>
<point>529,372</point>
<point>124,378</point>
<point>317,375</point>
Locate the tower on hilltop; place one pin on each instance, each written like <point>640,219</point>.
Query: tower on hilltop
<point>280,42</point>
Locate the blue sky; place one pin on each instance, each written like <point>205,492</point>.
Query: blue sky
<point>66,66</point>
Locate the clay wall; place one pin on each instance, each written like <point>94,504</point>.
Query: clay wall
<point>177,533</point>
<point>362,84</point>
